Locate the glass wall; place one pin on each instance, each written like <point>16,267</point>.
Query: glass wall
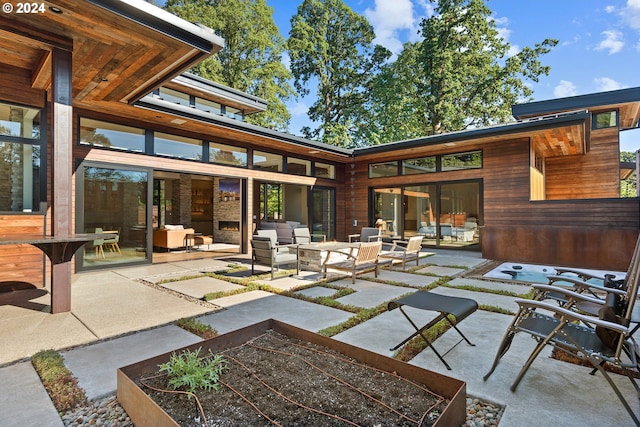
<point>21,159</point>
<point>177,146</point>
<point>113,201</point>
<point>111,135</point>
<point>227,154</point>
<point>388,207</point>
<point>446,214</point>
<point>267,161</point>
<point>323,216</point>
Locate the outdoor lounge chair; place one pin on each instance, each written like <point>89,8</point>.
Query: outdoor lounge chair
<point>571,290</point>
<point>365,260</point>
<point>403,250</point>
<point>609,341</point>
<point>264,252</point>
<point>302,236</point>
<point>367,234</point>
<point>459,308</point>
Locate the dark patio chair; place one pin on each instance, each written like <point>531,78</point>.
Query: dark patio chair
<point>265,253</point>
<point>367,234</point>
<point>602,340</point>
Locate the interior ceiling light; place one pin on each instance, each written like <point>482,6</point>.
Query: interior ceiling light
<point>55,9</point>
<point>178,121</point>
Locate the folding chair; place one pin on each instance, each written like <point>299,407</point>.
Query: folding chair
<point>606,339</point>
<point>460,308</point>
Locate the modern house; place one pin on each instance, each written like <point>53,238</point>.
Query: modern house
<point>103,129</point>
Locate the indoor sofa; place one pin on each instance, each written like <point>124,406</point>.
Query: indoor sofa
<point>171,236</point>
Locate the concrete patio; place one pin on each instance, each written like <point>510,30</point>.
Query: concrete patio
<point>122,316</point>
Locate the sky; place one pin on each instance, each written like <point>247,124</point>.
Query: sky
<point>598,49</point>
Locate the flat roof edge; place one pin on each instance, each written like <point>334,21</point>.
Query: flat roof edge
<point>576,102</point>
<point>513,127</point>
<point>156,104</point>
<point>221,91</point>
<point>151,16</point>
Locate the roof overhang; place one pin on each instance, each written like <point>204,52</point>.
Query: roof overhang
<point>256,133</point>
<point>626,101</point>
<point>627,169</point>
<point>121,49</point>
<point>555,135</point>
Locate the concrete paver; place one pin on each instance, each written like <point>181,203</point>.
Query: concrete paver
<point>370,294</point>
<point>200,286</point>
<point>115,305</point>
<point>95,365</point>
<point>255,306</point>
<point>24,400</point>
<point>317,291</point>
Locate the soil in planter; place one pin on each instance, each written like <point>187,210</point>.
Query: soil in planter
<point>277,380</point>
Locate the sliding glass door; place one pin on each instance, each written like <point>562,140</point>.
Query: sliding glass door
<point>446,214</point>
<point>114,202</point>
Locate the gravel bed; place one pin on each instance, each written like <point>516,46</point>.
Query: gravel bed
<point>107,412</point>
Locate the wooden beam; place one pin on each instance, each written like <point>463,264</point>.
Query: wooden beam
<point>41,77</point>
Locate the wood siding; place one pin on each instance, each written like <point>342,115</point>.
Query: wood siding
<point>22,263</point>
<point>592,175</point>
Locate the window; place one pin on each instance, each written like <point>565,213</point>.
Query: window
<point>177,146</point>
<point>21,122</point>
<point>608,119</point>
<point>298,166</point>
<point>174,96</point>
<point>227,154</point>
<point>469,160</point>
<point>111,135</point>
<point>208,106</point>
<point>234,113</point>
<point>419,165</point>
<point>377,170</point>
<point>19,177</point>
<point>267,161</point>
<point>323,170</point>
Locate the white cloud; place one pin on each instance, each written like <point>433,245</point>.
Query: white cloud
<point>631,14</point>
<point>565,88</point>
<point>605,84</point>
<point>298,109</point>
<point>388,18</point>
<point>612,41</point>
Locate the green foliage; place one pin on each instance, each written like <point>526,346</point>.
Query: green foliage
<point>62,386</point>
<point>195,326</point>
<point>331,44</point>
<point>188,371</point>
<point>628,187</point>
<point>251,60</point>
<point>460,75</point>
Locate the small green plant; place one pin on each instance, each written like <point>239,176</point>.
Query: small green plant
<point>62,386</point>
<point>195,326</point>
<point>188,371</point>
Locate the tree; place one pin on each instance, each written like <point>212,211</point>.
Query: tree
<point>251,60</point>
<point>331,43</point>
<point>471,82</point>
<point>628,187</point>
<point>458,76</point>
<point>397,108</point>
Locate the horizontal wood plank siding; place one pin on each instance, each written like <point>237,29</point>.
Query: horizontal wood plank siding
<point>21,263</point>
<point>593,175</point>
<point>15,88</point>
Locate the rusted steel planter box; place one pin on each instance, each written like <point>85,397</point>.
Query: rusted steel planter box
<point>145,412</point>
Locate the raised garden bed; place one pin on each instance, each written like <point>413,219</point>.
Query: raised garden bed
<point>278,374</point>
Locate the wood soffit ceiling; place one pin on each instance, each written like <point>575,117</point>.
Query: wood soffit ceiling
<point>114,58</point>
